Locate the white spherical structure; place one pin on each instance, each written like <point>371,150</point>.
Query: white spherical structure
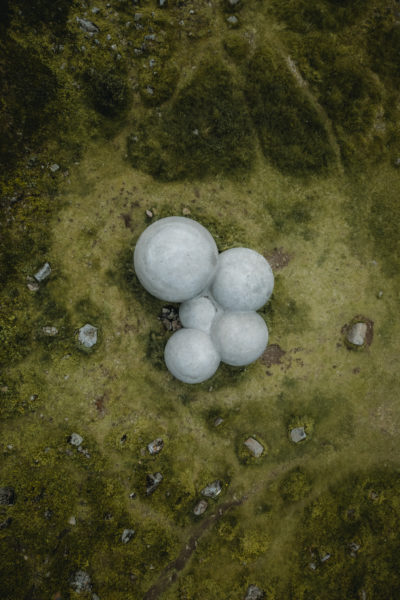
<point>243,280</point>
<point>175,258</point>
<point>199,313</point>
<point>240,337</point>
<point>191,356</point>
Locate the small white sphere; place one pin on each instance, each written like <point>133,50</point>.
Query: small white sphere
<point>240,337</point>
<point>191,356</point>
<point>199,313</point>
<point>175,258</point>
<point>243,280</point>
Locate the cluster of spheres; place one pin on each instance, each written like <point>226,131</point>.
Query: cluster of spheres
<point>176,259</point>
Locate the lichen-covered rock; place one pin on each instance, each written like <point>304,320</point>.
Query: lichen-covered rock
<point>43,273</point>
<point>88,335</point>
<point>212,490</point>
<point>356,334</point>
<point>153,480</point>
<point>87,25</point>
<point>155,446</point>
<point>254,447</point>
<point>254,593</point>
<point>75,439</point>
<point>127,535</point>
<point>7,495</point>
<point>297,434</point>
<point>81,582</point>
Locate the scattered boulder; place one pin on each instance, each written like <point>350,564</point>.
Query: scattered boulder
<point>298,434</point>
<point>254,447</point>
<point>75,439</point>
<point>50,331</point>
<point>88,335</point>
<point>43,273</point>
<point>254,593</point>
<point>127,535</point>
<point>212,490</point>
<point>200,508</point>
<point>81,582</point>
<point>87,25</point>
<point>32,284</point>
<point>155,446</point>
<point>153,480</point>
<point>7,496</point>
<point>356,334</point>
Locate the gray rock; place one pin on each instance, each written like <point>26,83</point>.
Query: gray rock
<point>54,167</point>
<point>43,273</point>
<point>150,90</point>
<point>212,490</point>
<point>50,330</point>
<point>127,535</point>
<point>234,2</point>
<point>88,335</point>
<point>87,25</point>
<point>7,496</point>
<point>137,16</point>
<point>153,480</point>
<point>75,439</point>
<point>254,447</point>
<point>298,434</point>
<point>72,520</point>
<point>254,593</point>
<point>218,421</point>
<point>162,3</point>
<point>356,334</point>
<point>325,557</point>
<point>232,20</point>
<point>155,446</point>
<point>95,597</point>
<point>32,284</point>
<point>81,582</point>
<point>200,508</point>
<point>95,10</point>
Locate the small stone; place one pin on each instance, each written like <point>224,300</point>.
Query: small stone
<point>254,593</point>
<point>81,582</point>
<point>155,446</point>
<point>218,421</point>
<point>234,2</point>
<point>354,548</point>
<point>54,167</point>
<point>153,481</point>
<point>298,434</point>
<point>95,10</point>
<point>43,273</point>
<point>114,47</point>
<point>186,211</point>
<point>132,495</point>
<point>232,20</point>
<point>150,90</point>
<point>162,3</point>
<point>88,335</point>
<point>95,597</point>
<point>254,447</point>
<point>72,520</point>
<point>6,523</point>
<point>356,334</point>
<point>127,535</point>
<point>325,557</point>
<point>75,439</point>
<point>313,566</point>
<point>137,16</point>
<point>50,330</point>
<point>149,214</point>
<point>152,62</point>
<point>32,285</point>
<point>200,508</point>
<point>212,490</point>
<point>87,25</point>
<point>7,496</point>
<point>380,294</point>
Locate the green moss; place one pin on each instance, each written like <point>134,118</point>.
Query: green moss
<point>331,15</point>
<point>295,485</point>
<point>206,130</point>
<point>108,91</point>
<point>290,130</point>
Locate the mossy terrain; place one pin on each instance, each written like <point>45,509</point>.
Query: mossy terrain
<point>277,130</point>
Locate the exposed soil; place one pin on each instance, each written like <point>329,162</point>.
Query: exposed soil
<point>273,355</point>
<point>278,258</point>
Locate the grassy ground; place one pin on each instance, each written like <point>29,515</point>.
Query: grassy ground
<point>338,230</point>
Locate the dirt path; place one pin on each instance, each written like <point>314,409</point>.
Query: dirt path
<point>170,573</point>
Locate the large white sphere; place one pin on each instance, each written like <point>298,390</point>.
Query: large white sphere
<point>199,313</point>
<point>191,356</point>
<point>243,280</point>
<point>175,258</point>
<point>240,337</point>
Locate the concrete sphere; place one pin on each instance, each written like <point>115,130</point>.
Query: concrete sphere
<point>240,337</point>
<point>243,280</point>
<point>199,313</point>
<point>191,356</point>
<point>175,259</point>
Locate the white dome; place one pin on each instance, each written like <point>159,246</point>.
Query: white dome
<point>199,313</point>
<point>243,280</point>
<point>240,337</point>
<point>175,258</point>
<point>191,356</point>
